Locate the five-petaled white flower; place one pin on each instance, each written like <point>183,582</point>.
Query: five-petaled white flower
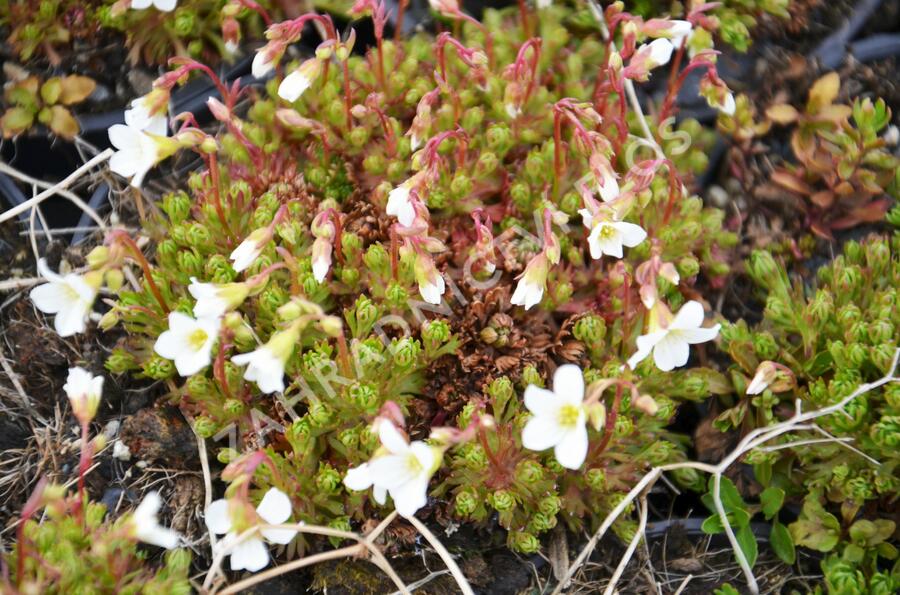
<point>296,83</point>
<point>670,341</point>
<point>137,152</point>
<point>70,297</point>
<point>214,300</point>
<point>265,365</point>
<point>146,526</point>
<point>163,5</point>
<point>660,52</point>
<point>83,391</point>
<point>188,342</point>
<point>608,237</point>
<point>398,468</point>
<point>251,554</point>
<point>250,249</point>
<point>558,418</point>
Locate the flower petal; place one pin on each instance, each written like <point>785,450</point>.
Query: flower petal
<point>540,401</point>
<point>671,353</point>
<point>631,234</point>
<point>275,507</point>
<point>568,383</point>
<point>391,437</point>
<point>391,470</point>
<point>541,432</point>
<point>411,496</point>
<point>279,536</point>
<point>358,478</point>
<point>700,335</point>
<point>50,298</point>
<point>251,555</point>
<point>572,449</point>
<point>217,518</point>
<point>690,316</point>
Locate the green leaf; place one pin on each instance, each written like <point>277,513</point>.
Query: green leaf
<point>736,518</point>
<point>15,121</point>
<point>51,90</point>
<point>747,540</point>
<point>782,544</point>
<point>726,589</point>
<point>853,553</point>
<point>763,472</point>
<point>731,498</point>
<point>771,500</point>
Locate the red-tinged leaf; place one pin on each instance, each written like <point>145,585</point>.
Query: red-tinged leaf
<point>791,182</point>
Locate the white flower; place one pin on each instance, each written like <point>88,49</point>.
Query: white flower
<point>321,258</point>
<point>399,468</point>
<point>558,418</point>
<point>542,4</point>
<point>765,375</point>
<point>265,365</point>
<point>530,289</point>
<point>137,153</point>
<point>252,554</point>
<point>263,63</point>
<point>608,237</point>
<point>213,300</point>
<point>250,249</point>
<point>296,83</point>
<point>140,118</point>
<point>83,391</point>
<point>70,297</point>
<point>147,527</point>
<point>671,345</point>
<point>728,106</point>
<point>188,342</point>
<point>679,31</point>
<point>400,204</point>
<point>163,5</point>
<point>660,52</point>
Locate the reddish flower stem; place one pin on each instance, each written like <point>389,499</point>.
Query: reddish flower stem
<point>145,266</point>
<point>217,197</point>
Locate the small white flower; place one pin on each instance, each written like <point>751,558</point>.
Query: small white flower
<point>137,152</point>
<point>558,418</point>
<point>163,5</point>
<point>265,365</point>
<point>252,554</point>
<point>400,204</point>
<point>399,468</point>
<point>139,117</point>
<point>83,391</point>
<point>660,52</point>
<point>765,375</point>
<point>671,345</point>
<point>263,63</point>
<point>188,342</point>
<point>214,300</point>
<point>728,106</point>
<point>608,237</point>
<point>679,31</point>
<point>146,525</point>
<point>296,83</point>
<point>542,4</point>
<point>321,258</point>
<point>70,297</point>
<point>530,290</point>
<point>250,249</point>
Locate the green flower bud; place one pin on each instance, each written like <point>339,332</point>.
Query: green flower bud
<point>523,542</point>
<point>405,352</point>
<point>529,472</point>
<point>233,407</point>
<point>595,479</point>
<point>365,397</point>
<point>366,312</point>
<point>189,263</point>
<point>350,276</point>
<point>184,22</point>
<point>120,361</point>
<point>226,455</point>
<point>500,388</point>
<point>349,438</point>
<point>199,386</point>
<point>158,368</point>
<point>205,427</point>
<point>502,500</point>
<point>299,433</point>
<point>465,502</point>
<point>762,268</point>
<point>487,163</point>
<point>499,138</point>
<point>320,414</point>
<point>474,456</point>
<point>590,330</point>
<point>460,185</point>
<point>359,136</point>
<point>540,522</point>
<point>530,375</point>
<point>436,332</point>
<point>765,346</point>
<point>377,259</point>
<point>177,206</point>
<point>219,269</point>
<point>327,479</point>
<point>550,505</point>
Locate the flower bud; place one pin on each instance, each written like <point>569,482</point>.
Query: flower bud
<point>529,472</point>
<point>158,368</point>
<point>327,479</point>
<point>465,502</point>
<point>205,427</point>
<point>595,479</point>
<point>120,361</point>
<point>365,397</point>
<point>502,500</point>
<point>523,542</point>
<point>109,320</point>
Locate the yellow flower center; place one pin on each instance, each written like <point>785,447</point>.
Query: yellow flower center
<point>568,416</point>
<point>413,464</point>
<point>197,338</point>
<point>606,232</point>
